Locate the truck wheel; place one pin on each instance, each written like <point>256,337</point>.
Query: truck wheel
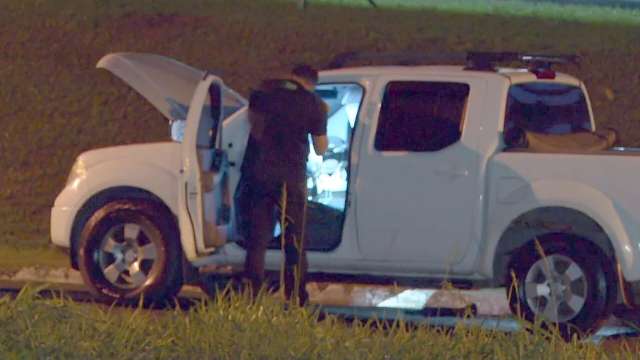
<point>129,249</point>
<point>568,286</point>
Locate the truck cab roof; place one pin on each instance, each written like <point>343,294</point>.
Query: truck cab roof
<point>533,67</point>
<point>512,75</point>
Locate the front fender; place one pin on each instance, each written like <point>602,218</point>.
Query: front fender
<point>616,222</point>
<point>145,176</point>
<point>134,174</point>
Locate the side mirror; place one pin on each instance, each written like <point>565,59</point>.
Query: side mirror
<point>177,129</point>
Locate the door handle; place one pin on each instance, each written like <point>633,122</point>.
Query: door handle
<point>451,172</point>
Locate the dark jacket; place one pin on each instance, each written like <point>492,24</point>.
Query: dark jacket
<point>283,114</point>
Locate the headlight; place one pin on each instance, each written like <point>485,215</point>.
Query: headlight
<point>77,171</point>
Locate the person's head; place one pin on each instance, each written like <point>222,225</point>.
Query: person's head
<point>305,75</point>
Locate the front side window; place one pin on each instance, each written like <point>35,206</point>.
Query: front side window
<point>547,108</point>
<point>421,116</point>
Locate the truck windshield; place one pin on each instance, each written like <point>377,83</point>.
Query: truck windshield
<point>548,108</point>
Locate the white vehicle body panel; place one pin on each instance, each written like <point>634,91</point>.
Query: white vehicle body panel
<point>400,219</point>
<point>196,161</point>
<point>166,83</point>
<point>150,167</point>
<point>525,181</point>
<point>464,196</point>
<point>170,171</point>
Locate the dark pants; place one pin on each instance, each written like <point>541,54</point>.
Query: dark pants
<point>259,205</point>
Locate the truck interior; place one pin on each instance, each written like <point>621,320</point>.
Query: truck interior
<point>328,175</point>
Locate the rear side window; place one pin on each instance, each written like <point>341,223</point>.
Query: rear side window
<point>421,116</point>
<point>547,108</point>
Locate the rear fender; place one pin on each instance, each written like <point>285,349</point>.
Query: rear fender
<point>561,207</point>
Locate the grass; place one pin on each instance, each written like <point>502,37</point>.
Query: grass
<point>583,11</point>
<point>54,104</point>
<point>16,257</point>
<point>233,328</point>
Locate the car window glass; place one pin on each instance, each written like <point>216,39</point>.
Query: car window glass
<point>548,108</point>
<point>421,116</point>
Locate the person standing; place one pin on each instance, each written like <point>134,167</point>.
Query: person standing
<point>283,113</point>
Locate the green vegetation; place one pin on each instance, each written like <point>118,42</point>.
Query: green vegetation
<point>233,328</point>
<point>587,12</point>
<point>14,257</point>
<point>54,104</point>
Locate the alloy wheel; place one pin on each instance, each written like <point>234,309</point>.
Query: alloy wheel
<point>127,255</point>
<point>556,288</point>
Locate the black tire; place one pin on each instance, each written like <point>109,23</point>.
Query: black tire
<point>580,294</point>
<point>129,250</point>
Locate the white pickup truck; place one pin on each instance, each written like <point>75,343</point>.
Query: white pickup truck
<point>422,183</point>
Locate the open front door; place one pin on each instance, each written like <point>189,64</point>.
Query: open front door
<point>202,189</point>
<point>180,91</point>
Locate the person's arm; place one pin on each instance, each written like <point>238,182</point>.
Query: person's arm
<point>319,133</point>
<point>256,120</point>
<point>320,144</point>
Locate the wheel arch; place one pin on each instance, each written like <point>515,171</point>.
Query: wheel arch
<point>105,196</point>
<point>548,223</point>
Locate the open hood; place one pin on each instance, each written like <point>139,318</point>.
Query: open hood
<point>166,83</point>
